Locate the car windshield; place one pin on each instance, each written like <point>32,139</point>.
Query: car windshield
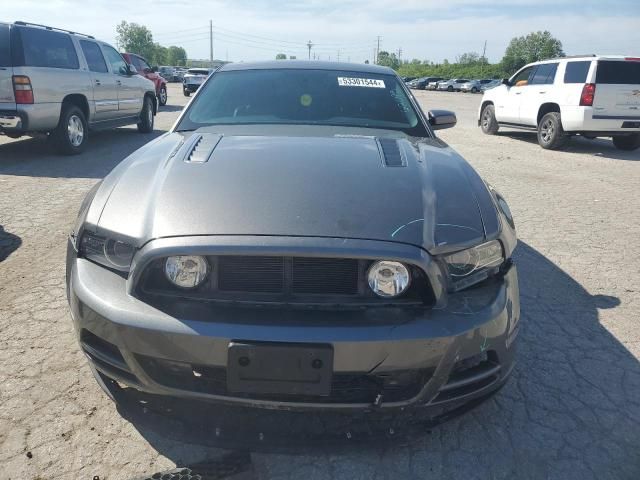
<point>304,96</point>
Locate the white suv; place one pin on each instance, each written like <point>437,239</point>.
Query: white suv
<point>592,96</point>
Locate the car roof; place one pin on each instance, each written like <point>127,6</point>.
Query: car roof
<point>307,65</point>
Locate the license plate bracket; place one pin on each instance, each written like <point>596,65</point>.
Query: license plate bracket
<point>276,368</point>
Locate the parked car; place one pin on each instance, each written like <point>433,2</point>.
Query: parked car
<point>421,83</point>
<point>193,79</point>
<point>168,73</point>
<point>312,246</point>
<point>408,79</point>
<point>491,84</point>
<point>150,73</point>
<point>452,85</point>
<point>65,84</point>
<point>474,86</point>
<point>433,85</point>
<point>592,96</point>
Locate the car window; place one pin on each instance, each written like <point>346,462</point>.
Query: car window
<point>544,74</point>
<point>522,77</point>
<point>94,57</point>
<point>140,63</point>
<point>576,72</point>
<point>118,65</point>
<point>618,72</point>
<point>5,51</point>
<point>45,48</point>
<point>306,97</point>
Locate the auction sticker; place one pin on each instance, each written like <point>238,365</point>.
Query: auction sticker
<point>360,82</point>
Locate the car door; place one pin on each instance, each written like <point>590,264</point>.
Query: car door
<point>536,92</point>
<point>129,92</point>
<point>105,88</point>
<point>508,103</point>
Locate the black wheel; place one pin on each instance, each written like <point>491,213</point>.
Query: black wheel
<point>186,92</point>
<point>145,125</point>
<point>162,95</point>
<point>474,90</point>
<point>449,88</point>
<point>551,136</point>
<point>627,142</point>
<point>71,135</point>
<point>488,122</point>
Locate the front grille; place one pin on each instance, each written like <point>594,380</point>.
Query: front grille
<point>276,280</point>
<point>393,386</point>
<point>250,274</point>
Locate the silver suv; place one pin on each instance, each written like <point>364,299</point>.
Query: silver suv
<point>65,84</point>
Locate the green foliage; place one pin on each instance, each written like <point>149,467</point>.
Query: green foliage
<point>134,38</point>
<point>281,56</point>
<point>176,56</point>
<point>535,46</point>
<point>387,59</point>
<point>479,69</point>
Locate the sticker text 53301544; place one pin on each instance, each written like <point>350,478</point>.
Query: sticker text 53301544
<point>360,82</point>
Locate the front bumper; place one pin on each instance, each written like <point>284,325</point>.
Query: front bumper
<point>191,87</point>
<point>140,345</point>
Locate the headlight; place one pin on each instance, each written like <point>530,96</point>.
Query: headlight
<point>473,265</point>
<point>388,279</point>
<point>186,271</point>
<point>106,251</point>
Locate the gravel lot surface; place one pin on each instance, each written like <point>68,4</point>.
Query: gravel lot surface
<point>571,409</point>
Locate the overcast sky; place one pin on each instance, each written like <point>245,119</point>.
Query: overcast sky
<point>424,29</point>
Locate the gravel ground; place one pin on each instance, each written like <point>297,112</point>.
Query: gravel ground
<point>571,410</point>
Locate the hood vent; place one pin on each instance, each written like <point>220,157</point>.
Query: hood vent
<point>201,148</point>
<point>391,152</point>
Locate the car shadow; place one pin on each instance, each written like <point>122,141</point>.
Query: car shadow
<point>35,157</point>
<point>599,147</point>
<point>9,243</point>
<point>573,386</point>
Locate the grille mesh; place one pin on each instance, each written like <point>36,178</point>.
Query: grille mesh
<point>251,274</point>
<point>324,275</point>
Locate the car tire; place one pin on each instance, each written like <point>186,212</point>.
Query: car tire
<point>449,88</point>
<point>72,133</point>
<point>488,122</point>
<point>145,125</point>
<point>474,90</point>
<point>551,135</point>
<point>187,93</point>
<point>627,142</point>
<point>162,95</point>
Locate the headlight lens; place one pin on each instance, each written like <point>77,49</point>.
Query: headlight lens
<point>106,251</point>
<point>388,279</point>
<point>473,265</point>
<point>186,271</point>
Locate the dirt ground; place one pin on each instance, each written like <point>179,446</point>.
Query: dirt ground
<point>570,411</point>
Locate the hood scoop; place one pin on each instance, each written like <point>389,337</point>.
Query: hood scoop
<point>391,153</point>
<point>199,149</point>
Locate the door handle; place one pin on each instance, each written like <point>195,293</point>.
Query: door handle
<point>544,91</point>
<point>118,82</point>
<point>98,82</point>
<point>518,93</point>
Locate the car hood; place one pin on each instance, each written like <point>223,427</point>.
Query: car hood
<point>418,192</point>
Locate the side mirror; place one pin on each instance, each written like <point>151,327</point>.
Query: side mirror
<point>441,119</point>
<point>131,70</point>
<point>505,81</point>
<point>154,69</point>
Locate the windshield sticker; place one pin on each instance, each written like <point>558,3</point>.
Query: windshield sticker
<point>360,82</point>
<point>305,100</point>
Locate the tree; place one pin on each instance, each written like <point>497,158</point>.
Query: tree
<point>281,56</point>
<point>135,38</point>
<point>532,48</point>
<point>468,58</point>
<point>176,56</point>
<point>160,55</point>
<point>387,59</point>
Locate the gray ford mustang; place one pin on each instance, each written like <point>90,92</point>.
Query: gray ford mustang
<point>300,239</point>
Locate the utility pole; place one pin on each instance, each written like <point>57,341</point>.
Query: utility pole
<point>211,43</point>
<point>377,50</point>
<point>309,45</point>
<point>400,54</point>
<point>338,54</point>
<point>484,51</point>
